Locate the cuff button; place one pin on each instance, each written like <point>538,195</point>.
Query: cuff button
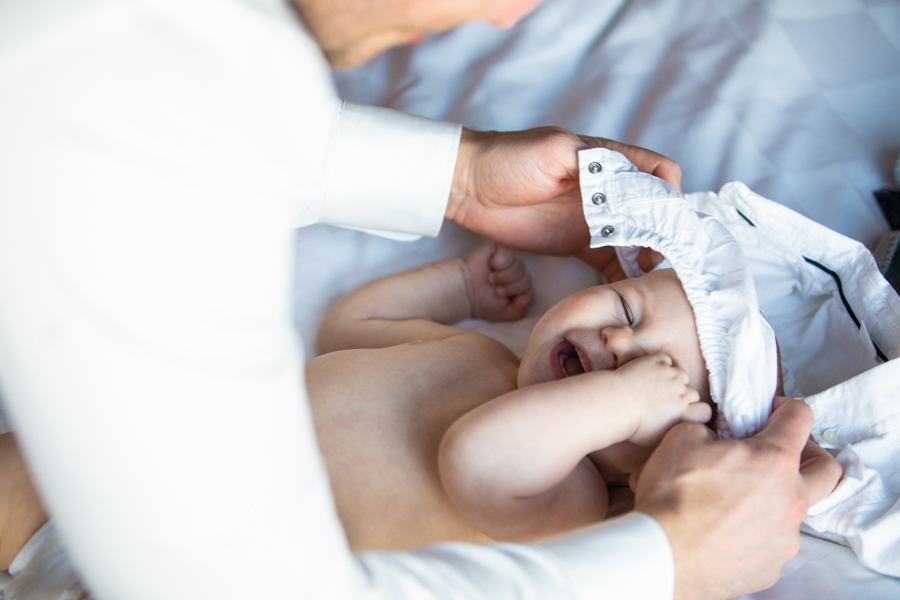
<point>598,198</point>
<point>607,231</point>
<point>595,167</point>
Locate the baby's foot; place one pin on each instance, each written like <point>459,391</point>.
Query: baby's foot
<point>499,285</point>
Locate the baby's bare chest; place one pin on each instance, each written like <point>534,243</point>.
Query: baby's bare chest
<point>380,416</point>
<point>401,400</point>
<point>430,380</point>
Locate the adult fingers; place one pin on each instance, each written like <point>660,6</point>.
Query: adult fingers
<point>645,160</point>
<point>682,436</point>
<point>789,425</point>
<point>672,455</point>
<point>778,401</point>
<point>605,261</point>
<point>668,170</point>
<point>648,259</point>
<point>819,471</point>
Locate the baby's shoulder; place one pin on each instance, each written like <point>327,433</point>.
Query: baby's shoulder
<point>462,359</point>
<point>479,347</point>
<point>479,359</point>
<point>465,358</point>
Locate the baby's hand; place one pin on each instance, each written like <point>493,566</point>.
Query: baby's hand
<point>660,397</point>
<point>499,286</point>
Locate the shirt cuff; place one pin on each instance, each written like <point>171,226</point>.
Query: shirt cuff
<point>627,557</point>
<point>389,172</point>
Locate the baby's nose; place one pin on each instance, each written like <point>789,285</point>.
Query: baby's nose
<point>620,342</point>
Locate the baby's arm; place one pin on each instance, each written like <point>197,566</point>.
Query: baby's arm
<point>490,282</point>
<point>517,467</point>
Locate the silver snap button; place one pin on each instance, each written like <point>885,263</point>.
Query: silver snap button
<point>595,167</point>
<point>607,231</point>
<point>831,436</point>
<point>598,198</point>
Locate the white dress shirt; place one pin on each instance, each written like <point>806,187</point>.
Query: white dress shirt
<point>155,157</point>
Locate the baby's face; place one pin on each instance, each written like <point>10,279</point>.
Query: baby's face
<point>604,327</point>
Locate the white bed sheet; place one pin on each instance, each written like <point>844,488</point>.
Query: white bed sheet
<point>800,99</point>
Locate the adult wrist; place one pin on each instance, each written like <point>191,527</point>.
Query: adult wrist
<point>462,190</point>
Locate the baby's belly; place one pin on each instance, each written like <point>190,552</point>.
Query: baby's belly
<point>380,441</point>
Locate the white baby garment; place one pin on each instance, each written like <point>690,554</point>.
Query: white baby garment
<point>836,318</point>
<point>626,208</point>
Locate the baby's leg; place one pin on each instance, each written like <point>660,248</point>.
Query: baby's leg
<point>21,511</point>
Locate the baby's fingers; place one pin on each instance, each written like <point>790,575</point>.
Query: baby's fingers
<point>503,258</point>
<point>514,272</point>
<point>661,358</point>
<point>522,286</point>
<point>520,305</point>
<point>697,412</point>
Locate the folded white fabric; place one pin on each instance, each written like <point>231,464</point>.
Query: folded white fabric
<point>836,318</point>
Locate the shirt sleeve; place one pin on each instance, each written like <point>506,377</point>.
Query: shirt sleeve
<point>389,172</point>
<point>628,557</point>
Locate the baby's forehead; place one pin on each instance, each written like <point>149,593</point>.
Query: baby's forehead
<point>658,291</point>
<point>658,285</point>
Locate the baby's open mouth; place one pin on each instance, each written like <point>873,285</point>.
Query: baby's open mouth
<point>567,360</point>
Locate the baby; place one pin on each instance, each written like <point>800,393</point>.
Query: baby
<point>433,433</point>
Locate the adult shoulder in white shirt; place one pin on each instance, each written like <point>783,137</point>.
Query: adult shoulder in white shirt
<point>157,155</point>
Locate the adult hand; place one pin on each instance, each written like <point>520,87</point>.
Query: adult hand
<point>732,509</point>
<point>521,189</point>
